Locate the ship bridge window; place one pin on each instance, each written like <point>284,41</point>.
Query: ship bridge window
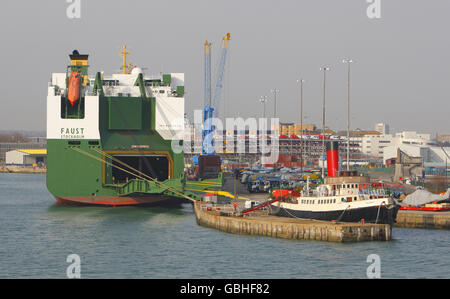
<point>155,166</point>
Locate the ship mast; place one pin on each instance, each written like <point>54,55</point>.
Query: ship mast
<point>124,54</point>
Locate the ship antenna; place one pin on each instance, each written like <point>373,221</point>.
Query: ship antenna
<point>124,54</point>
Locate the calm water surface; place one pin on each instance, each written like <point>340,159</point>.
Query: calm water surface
<point>36,236</point>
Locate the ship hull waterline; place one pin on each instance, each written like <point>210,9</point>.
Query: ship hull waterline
<point>113,201</point>
<point>375,214</point>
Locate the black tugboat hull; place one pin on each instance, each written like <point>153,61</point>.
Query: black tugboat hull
<point>375,214</point>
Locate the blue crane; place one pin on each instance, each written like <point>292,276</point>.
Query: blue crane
<point>211,105</point>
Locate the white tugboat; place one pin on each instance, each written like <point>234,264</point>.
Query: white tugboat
<point>344,197</point>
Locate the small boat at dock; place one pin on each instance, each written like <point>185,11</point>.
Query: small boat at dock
<point>345,196</point>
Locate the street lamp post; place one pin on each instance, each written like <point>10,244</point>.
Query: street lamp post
<point>263,100</point>
<point>324,69</point>
<point>446,174</point>
<point>274,91</point>
<point>301,81</point>
<point>348,61</point>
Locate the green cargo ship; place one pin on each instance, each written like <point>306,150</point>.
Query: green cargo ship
<point>110,140</point>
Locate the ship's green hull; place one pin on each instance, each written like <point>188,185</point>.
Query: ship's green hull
<point>118,140</point>
<point>82,170</point>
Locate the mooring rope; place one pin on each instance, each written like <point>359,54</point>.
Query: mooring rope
<point>340,217</point>
<point>106,162</point>
<point>134,169</point>
<point>378,212</point>
<point>133,174</point>
<point>293,216</point>
<point>139,172</point>
<point>124,164</point>
<point>312,219</point>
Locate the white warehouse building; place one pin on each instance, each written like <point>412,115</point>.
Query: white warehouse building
<point>433,156</point>
<point>374,145</point>
<point>26,157</point>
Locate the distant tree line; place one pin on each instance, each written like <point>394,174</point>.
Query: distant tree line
<point>12,138</point>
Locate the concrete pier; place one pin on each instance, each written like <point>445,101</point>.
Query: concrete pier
<point>423,219</point>
<point>16,169</point>
<point>262,224</point>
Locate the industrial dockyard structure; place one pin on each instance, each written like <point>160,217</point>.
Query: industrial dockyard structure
<point>124,140</point>
<point>225,147</point>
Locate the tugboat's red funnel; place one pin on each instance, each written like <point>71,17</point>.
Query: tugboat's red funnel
<point>332,158</point>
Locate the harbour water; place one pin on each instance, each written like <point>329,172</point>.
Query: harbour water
<point>37,235</point>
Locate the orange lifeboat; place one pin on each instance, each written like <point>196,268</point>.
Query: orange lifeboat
<point>73,94</point>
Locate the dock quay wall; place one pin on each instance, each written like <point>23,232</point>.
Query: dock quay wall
<point>290,228</point>
<point>16,169</point>
<point>423,219</point>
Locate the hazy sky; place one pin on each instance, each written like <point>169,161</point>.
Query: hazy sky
<point>400,75</point>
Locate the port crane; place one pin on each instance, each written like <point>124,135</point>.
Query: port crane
<point>209,164</point>
<point>211,104</point>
